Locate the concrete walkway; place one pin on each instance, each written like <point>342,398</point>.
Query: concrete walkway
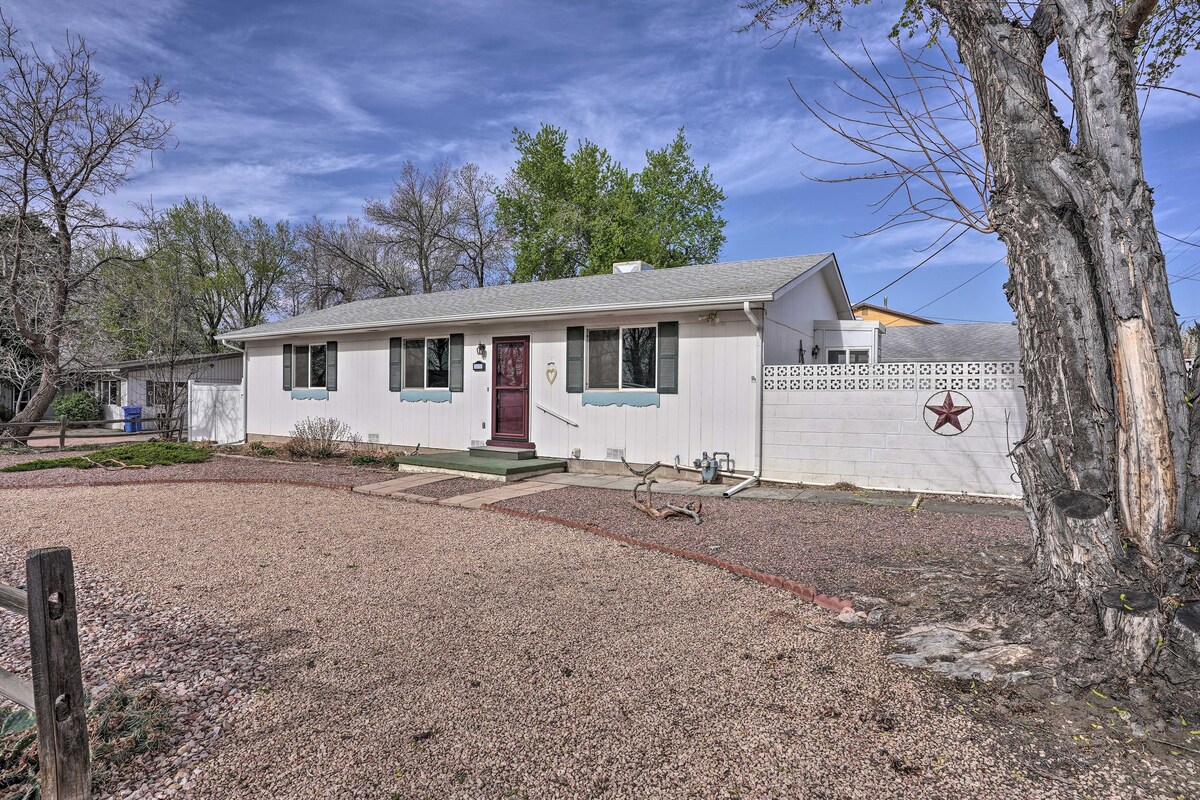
<point>407,487</point>
<point>506,491</point>
<point>397,486</point>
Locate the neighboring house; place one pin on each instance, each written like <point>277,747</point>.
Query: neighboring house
<point>9,396</point>
<point>156,384</point>
<point>888,316</point>
<point>651,365</point>
<point>972,341</point>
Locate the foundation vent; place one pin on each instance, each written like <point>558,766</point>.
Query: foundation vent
<point>615,454</point>
<point>373,438</point>
<point>478,443</point>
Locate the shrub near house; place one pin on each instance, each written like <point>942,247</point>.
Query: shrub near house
<point>78,407</point>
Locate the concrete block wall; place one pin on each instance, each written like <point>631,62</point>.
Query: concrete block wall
<point>865,424</point>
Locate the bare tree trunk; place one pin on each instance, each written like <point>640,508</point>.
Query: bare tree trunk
<point>1103,461</point>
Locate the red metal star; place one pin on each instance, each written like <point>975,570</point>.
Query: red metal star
<point>948,413</point>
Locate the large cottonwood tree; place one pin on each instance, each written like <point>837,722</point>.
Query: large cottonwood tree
<point>63,145</point>
<point>1105,460</point>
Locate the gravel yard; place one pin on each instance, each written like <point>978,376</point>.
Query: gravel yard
<point>202,664</point>
<point>842,549</point>
<point>219,467</point>
<point>422,651</point>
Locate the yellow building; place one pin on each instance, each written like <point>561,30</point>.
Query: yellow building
<point>888,316</point>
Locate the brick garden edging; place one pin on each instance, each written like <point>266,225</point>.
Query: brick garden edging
<point>802,591</point>
<point>345,487</point>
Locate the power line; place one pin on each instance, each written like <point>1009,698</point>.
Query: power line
<point>964,283</point>
<point>925,261</point>
<point>1177,239</point>
<point>956,319</point>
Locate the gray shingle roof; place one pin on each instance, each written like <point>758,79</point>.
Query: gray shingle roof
<point>145,363</point>
<point>705,284</point>
<point>976,341</point>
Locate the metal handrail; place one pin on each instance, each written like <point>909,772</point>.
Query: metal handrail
<point>556,415</point>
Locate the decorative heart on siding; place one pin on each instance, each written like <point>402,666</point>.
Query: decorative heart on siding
<point>551,373</point>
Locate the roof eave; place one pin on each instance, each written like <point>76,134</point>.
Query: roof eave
<point>241,336</point>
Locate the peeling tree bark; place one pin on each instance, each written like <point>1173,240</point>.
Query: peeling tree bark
<point>1101,353</point>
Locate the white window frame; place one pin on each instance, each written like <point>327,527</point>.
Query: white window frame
<point>847,351</point>
<point>424,364</point>
<point>103,392</point>
<point>179,391</point>
<point>621,387</point>
<point>308,348</point>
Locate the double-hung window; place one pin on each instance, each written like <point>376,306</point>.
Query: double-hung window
<point>844,356</point>
<point>110,393</point>
<point>309,366</point>
<point>622,358</point>
<point>427,363</point>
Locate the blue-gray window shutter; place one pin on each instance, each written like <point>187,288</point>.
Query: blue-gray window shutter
<point>395,364</point>
<point>287,367</point>
<point>668,358</point>
<point>331,366</point>
<point>575,360</point>
<point>456,362</point>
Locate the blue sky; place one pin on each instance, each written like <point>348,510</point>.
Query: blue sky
<point>294,109</point>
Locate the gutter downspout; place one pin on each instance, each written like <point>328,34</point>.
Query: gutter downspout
<point>758,406</point>
<point>245,390</point>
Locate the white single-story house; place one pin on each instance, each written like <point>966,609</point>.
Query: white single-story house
<point>641,364</point>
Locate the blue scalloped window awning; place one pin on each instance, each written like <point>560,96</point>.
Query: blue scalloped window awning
<point>310,394</point>
<point>636,399</point>
<point>425,396</point>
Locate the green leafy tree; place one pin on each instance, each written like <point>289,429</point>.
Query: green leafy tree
<point>201,241</point>
<point>576,214</point>
<point>679,208</point>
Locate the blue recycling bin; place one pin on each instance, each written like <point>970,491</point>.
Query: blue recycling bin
<point>133,419</point>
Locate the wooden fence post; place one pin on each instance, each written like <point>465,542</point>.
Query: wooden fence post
<point>62,433</point>
<point>63,757</point>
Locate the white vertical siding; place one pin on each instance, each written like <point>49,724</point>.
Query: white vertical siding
<point>714,409</point>
<point>789,320</point>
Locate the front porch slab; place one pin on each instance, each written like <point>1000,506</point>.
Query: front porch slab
<point>483,467</point>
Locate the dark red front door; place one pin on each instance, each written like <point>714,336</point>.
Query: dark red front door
<point>510,389</point>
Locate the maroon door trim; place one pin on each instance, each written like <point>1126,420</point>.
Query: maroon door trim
<point>512,433</point>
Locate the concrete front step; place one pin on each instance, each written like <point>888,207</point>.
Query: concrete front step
<point>506,453</point>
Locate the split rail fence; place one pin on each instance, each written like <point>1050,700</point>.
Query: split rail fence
<point>56,694</point>
<point>169,428</point>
